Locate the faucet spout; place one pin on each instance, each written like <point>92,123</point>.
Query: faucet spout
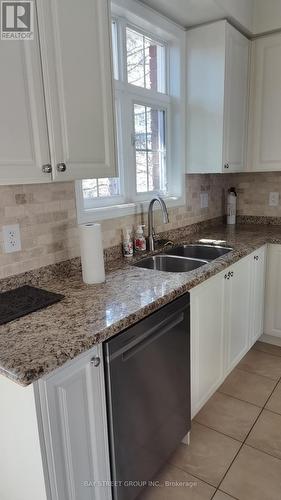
<point>165,215</point>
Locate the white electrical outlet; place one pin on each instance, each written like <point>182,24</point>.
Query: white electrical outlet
<point>204,200</point>
<point>11,238</point>
<point>273,199</point>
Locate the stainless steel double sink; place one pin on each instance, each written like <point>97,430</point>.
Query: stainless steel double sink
<point>183,258</point>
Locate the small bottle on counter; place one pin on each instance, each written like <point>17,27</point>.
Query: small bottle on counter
<point>128,247</point>
<point>140,241</point>
<point>231,206</point>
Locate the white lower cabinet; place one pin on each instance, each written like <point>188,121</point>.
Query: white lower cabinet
<point>237,311</point>
<point>273,292</point>
<point>75,430</point>
<point>258,270</point>
<point>54,432</point>
<point>207,365</point>
<point>226,319</point>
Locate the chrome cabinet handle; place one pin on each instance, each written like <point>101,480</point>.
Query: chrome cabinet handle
<point>96,361</point>
<point>47,169</point>
<point>61,167</point>
<point>256,257</point>
<point>226,165</point>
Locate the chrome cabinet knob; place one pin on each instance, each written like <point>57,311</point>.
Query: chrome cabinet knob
<point>96,361</point>
<point>61,167</point>
<point>256,257</point>
<point>226,165</point>
<point>228,275</point>
<point>47,169</point>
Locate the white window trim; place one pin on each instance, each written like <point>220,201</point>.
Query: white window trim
<point>159,28</point>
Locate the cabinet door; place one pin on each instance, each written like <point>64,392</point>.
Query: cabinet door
<point>24,146</point>
<point>258,264</point>
<point>76,58</point>
<point>237,311</point>
<point>236,100</point>
<point>265,105</point>
<point>205,79</point>
<point>206,340</point>
<point>273,292</point>
<point>75,430</point>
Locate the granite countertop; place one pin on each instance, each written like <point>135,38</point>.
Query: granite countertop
<point>35,345</point>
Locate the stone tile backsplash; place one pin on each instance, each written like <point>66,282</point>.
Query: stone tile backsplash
<point>253,193</point>
<point>46,214</point>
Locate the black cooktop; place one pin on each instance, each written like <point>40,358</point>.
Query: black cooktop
<point>24,300</point>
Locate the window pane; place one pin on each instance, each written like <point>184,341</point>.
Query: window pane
<point>145,61</point>
<point>135,58</point>
<point>89,187</point>
<point>100,188</point>
<point>115,50</point>
<point>141,171</point>
<point>150,148</point>
<point>140,127</point>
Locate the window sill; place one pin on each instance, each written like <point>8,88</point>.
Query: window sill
<point>121,210</point>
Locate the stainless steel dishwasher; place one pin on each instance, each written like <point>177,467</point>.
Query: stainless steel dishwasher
<point>148,395</point>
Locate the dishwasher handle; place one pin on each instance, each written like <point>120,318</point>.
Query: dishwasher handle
<point>148,329</point>
<point>156,333</point>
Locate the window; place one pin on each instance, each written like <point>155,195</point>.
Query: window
<point>145,117</point>
<point>150,149</point>
<point>146,61</point>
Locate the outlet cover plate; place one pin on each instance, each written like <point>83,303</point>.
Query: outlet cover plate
<point>11,238</point>
<point>273,199</point>
<point>204,200</point>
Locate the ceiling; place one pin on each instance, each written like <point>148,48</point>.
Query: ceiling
<point>252,16</point>
<point>186,12</point>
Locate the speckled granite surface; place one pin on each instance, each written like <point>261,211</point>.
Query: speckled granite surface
<point>35,345</point>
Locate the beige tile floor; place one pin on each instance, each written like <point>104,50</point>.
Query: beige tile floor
<point>235,449</point>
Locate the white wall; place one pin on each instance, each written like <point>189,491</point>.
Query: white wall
<point>242,11</point>
<point>254,16</point>
<point>267,15</point>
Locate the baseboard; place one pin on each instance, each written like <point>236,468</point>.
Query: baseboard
<point>186,439</point>
<point>270,339</point>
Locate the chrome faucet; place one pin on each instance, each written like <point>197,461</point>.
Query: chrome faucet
<point>151,231</point>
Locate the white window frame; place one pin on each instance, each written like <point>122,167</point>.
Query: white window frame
<point>135,16</point>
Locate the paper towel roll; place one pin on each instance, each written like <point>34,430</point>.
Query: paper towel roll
<point>91,253</point>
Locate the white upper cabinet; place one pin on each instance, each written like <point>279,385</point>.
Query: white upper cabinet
<point>265,105</point>
<point>217,98</point>
<point>56,96</point>
<point>24,147</point>
<point>76,59</point>
<point>236,100</point>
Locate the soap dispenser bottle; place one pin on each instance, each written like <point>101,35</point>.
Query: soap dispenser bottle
<point>128,247</point>
<point>140,241</point>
